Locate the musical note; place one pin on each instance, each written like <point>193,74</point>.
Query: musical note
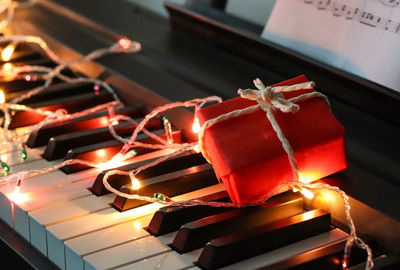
<point>365,17</point>
<point>390,3</point>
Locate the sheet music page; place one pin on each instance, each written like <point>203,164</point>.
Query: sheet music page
<point>359,36</point>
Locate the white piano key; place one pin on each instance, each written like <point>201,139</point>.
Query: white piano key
<point>47,198</point>
<point>138,249</point>
<point>76,248</point>
<point>52,180</point>
<point>288,251</point>
<point>35,184</point>
<point>6,212</point>
<point>167,261</point>
<point>58,233</point>
<point>39,220</point>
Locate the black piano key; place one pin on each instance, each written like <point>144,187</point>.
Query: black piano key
<point>179,162</point>
<point>72,104</point>
<point>14,88</point>
<point>95,120</point>
<point>171,184</point>
<point>196,234</point>
<point>170,218</point>
<point>383,262</point>
<point>104,151</point>
<point>60,90</point>
<point>328,257</point>
<point>58,146</point>
<point>240,246</point>
<point>54,91</point>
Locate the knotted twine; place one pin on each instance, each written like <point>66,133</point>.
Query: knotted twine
<point>270,99</point>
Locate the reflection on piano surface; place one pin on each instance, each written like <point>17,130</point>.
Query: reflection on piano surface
<point>71,219</point>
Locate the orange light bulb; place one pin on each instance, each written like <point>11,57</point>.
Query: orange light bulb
<point>196,125</point>
<point>308,194</point>
<point>16,196</point>
<point>101,152</point>
<point>135,184</point>
<point>7,52</point>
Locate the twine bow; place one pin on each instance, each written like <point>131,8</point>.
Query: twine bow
<point>272,97</point>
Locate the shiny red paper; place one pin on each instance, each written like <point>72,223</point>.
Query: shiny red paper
<point>248,157</point>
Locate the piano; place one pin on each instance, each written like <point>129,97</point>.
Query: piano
<point>190,49</point>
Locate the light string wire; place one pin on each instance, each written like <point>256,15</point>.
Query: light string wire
<point>48,75</point>
<point>125,153</point>
<point>8,7</point>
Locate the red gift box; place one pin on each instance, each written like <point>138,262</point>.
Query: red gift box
<point>248,157</point>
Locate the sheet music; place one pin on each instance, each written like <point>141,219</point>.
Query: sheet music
<point>360,36</point>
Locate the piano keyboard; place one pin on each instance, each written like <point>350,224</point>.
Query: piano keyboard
<point>76,224</point>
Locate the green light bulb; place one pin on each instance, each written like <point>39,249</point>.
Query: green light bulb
<point>159,196</point>
<point>5,167</point>
<point>24,154</point>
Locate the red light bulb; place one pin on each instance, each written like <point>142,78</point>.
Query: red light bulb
<point>125,43</point>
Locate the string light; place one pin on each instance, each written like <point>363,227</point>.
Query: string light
<point>196,125</point>
<point>7,52</point>
<point>5,167</point>
<point>168,129</point>
<point>24,154</point>
<point>137,225</point>
<point>9,6</point>
<point>125,43</point>
<point>135,184</point>
<point>48,74</point>
<point>307,193</point>
<point>159,196</point>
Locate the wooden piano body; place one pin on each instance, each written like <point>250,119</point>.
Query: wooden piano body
<point>201,50</point>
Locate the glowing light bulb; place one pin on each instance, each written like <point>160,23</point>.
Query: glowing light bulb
<point>7,67</point>
<point>196,125</point>
<point>308,194</point>
<point>130,154</point>
<point>5,167</point>
<point>7,52</point>
<point>24,154</point>
<point>135,184</point>
<point>2,97</point>
<point>16,196</point>
<point>159,196</point>
<point>101,153</point>
<point>196,148</point>
<point>3,158</point>
<point>28,78</point>
<point>137,225</point>
<point>125,43</point>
